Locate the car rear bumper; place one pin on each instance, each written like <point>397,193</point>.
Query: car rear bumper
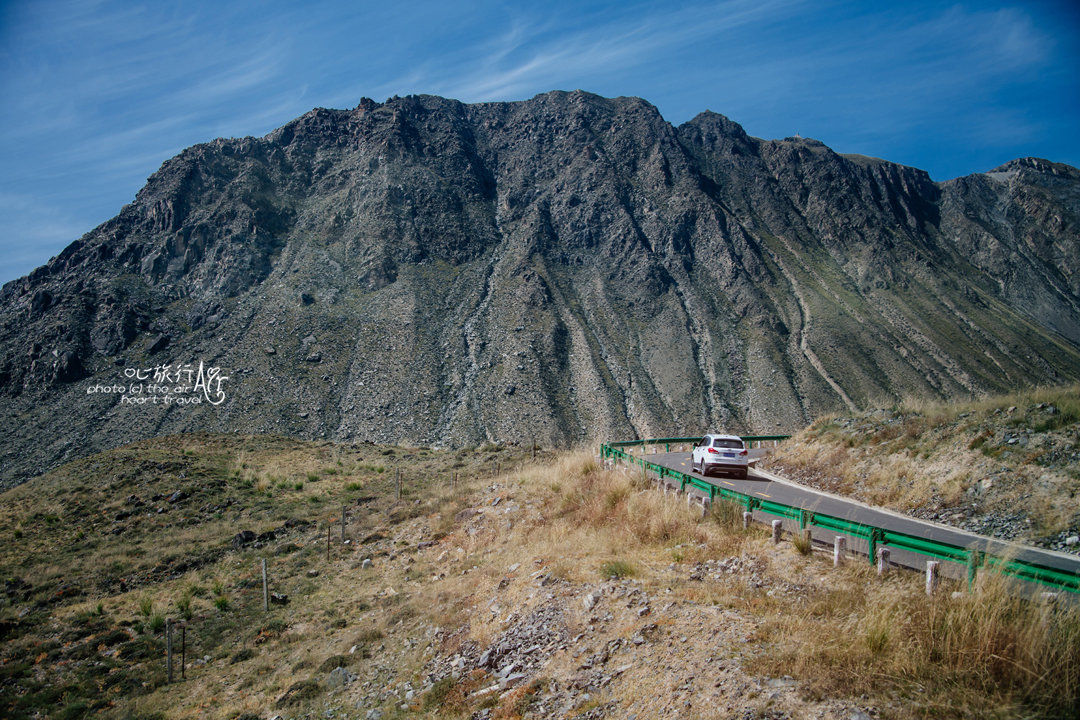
<point>733,465</point>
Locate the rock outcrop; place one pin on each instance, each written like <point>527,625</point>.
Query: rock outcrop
<point>564,268</point>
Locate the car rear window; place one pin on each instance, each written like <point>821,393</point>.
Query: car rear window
<point>720,442</point>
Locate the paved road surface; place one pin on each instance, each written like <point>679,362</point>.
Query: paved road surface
<point>766,485</point>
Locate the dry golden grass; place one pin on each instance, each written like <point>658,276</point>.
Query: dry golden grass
<point>990,651</point>
<point>842,633</point>
<point>1013,453</point>
<point>951,657</point>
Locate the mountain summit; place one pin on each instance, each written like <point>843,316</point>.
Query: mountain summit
<point>563,268</point>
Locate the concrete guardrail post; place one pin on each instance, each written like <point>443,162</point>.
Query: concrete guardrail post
<point>777,529</point>
<point>931,576</point>
<point>746,518</point>
<point>839,543</point>
<point>882,560</point>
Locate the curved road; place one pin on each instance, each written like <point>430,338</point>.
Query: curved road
<point>763,484</point>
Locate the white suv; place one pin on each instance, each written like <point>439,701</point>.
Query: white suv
<point>720,453</point>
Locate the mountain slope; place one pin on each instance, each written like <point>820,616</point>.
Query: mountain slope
<point>561,268</point>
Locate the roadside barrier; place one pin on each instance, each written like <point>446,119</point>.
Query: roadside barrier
<point>876,537</point>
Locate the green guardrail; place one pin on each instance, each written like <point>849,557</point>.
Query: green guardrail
<point>972,557</point>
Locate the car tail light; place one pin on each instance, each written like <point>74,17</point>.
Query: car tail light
<point>714,451</point>
<point>743,451</point>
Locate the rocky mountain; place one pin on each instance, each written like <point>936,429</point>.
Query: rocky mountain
<point>564,268</point>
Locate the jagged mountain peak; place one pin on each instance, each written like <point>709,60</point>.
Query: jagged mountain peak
<point>1039,165</point>
<point>565,267</point>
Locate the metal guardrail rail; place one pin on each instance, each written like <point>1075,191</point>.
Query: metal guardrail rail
<point>973,557</point>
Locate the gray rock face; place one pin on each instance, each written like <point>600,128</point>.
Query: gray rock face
<point>565,268</point>
<point>339,677</point>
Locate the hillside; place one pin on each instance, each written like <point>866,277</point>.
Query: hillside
<point>569,267</point>
<point>517,588</point>
<point>1006,466</point>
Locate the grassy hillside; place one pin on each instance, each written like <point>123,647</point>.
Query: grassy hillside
<point>1007,466</point>
<point>552,588</point>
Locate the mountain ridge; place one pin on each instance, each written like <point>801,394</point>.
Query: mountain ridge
<point>566,267</point>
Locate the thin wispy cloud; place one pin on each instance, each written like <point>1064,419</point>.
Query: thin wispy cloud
<point>536,56</point>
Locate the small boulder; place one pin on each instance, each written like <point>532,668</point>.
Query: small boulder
<point>160,343</point>
<point>178,496</point>
<point>511,680</point>
<point>339,677</point>
<point>242,538</point>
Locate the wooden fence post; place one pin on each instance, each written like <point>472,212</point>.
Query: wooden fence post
<point>168,649</point>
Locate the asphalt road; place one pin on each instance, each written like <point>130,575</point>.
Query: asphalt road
<point>764,485</point>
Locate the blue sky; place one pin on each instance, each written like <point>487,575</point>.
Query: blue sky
<point>96,95</point>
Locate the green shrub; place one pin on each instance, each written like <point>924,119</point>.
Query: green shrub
<point>183,606</point>
<point>802,542</point>
<point>72,711</point>
<point>334,661</point>
<point>436,697</point>
<point>146,606</point>
<point>615,569</point>
<point>242,655</point>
